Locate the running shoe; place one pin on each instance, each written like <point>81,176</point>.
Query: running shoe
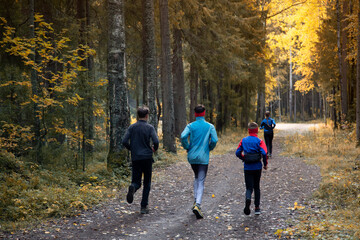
<point>193,205</point>
<point>130,194</point>
<point>257,211</point>
<point>197,212</point>
<point>247,207</point>
<point>144,210</point>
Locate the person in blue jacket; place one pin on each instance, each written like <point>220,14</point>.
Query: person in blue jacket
<point>251,149</point>
<point>203,139</point>
<point>268,124</point>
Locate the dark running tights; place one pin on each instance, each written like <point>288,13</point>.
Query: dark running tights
<point>268,141</point>
<point>139,168</point>
<point>252,182</point>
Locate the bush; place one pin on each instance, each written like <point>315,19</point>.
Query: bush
<point>8,163</point>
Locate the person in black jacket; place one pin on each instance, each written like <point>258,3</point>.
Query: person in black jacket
<point>140,134</point>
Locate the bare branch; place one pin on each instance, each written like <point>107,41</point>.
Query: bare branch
<point>287,8</point>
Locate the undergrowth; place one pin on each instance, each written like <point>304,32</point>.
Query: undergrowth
<point>334,212</point>
<point>30,193</point>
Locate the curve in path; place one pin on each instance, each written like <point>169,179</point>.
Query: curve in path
<point>288,180</point>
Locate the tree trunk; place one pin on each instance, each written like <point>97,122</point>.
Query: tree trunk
<point>334,109</point>
<point>81,15</point>
<point>343,65</point>
<point>358,83</point>
<point>290,89</point>
<point>321,106</point>
<point>261,96</point>
<point>118,93</point>
<point>219,115</point>
<point>149,61</point>
<point>194,86</point>
<point>302,100</point>
<point>166,80</point>
<point>325,108</point>
<point>295,113</point>
<point>35,91</point>
<point>313,110</point>
<point>279,101</point>
<point>179,84</point>
<point>211,103</point>
<point>90,76</point>
<point>260,111</point>
<point>246,109</point>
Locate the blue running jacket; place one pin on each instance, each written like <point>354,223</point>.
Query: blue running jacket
<point>252,144</point>
<point>203,139</point>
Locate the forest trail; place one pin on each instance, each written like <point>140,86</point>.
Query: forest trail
<point>288,180</point>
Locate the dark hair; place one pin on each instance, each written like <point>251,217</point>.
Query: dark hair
<point>267,114</point>
<point>142,111</point>
<point>199,108</point>
<point>252,125</point>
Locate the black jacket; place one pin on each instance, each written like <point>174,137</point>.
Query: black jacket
<point>139,135</point>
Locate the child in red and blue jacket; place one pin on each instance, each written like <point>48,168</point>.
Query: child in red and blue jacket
<point>251,149</point>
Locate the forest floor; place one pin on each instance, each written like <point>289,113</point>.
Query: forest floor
<point>288,181</point>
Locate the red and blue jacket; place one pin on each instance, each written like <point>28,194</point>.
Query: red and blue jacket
<point>252,144</point>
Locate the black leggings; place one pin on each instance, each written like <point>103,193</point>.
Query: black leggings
<point>139,168</point>
<point>268,141</point>
<point>252,182</point>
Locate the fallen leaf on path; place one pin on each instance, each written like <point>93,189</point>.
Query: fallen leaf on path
<point>246,229</point>
<point>296,206</point>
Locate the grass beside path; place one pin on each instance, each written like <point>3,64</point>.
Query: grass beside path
<point>335,208</point>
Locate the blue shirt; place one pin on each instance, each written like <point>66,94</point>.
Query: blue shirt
<point>203,139</point>
<point>268,124</point>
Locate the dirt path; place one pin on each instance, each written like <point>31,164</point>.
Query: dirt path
<point>287,180</point>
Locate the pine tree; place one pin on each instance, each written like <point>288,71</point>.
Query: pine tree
<point>178,83</point>
<point>149,60</point>
<point>34,87</point>
<point>166,80</point>
<point>118,93</point>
